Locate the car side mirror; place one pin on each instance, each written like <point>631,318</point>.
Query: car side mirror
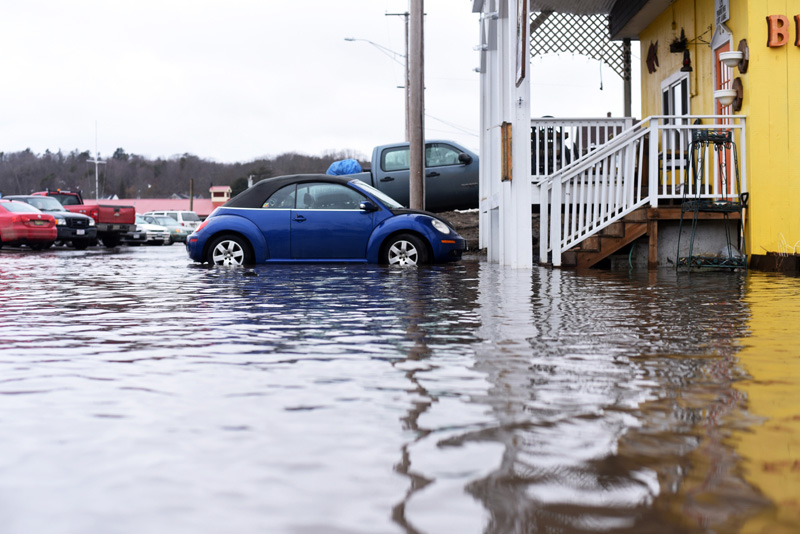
<point>366,205</point>
<point>464,158</point>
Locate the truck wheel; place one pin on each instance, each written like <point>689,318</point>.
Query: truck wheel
<point>111,241</point>
<point>404,249</point>
<point>229,249</point>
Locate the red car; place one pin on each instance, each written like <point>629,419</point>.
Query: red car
<point>22,224</point>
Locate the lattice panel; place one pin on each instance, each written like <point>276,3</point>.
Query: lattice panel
<point>586,35</point>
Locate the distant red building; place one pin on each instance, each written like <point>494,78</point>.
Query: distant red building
<point>220,194</point>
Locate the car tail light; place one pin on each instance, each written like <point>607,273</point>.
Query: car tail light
<point>94,213</point>
<point>202,225</point>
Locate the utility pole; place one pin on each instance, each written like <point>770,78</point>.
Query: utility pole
<point>416,68</point>
<point>408,102</point>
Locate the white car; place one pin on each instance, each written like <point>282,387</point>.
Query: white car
<point>149,234</point>
<point>189,219</point>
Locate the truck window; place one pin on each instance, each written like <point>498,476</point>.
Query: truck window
<point>67,200</point>
<point>438,155</point>
<point>395,159</point>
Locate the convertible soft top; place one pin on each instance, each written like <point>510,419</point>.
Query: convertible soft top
<point>255,196</point>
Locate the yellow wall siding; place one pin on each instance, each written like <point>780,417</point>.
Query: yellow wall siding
<point>694,17</point>
<point>771,104</point>
<point>773,116</point>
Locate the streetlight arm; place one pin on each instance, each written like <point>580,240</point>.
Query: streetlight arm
<point>391,53</point>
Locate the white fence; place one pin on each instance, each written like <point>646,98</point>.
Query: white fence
<point>649,162</point>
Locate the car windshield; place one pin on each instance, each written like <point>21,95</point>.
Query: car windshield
<point>19,207</point>
<point>189,216</point>
<point>45,203</point>
<point>383,197</point>
<point>140,220</point>
<point>166,221</point>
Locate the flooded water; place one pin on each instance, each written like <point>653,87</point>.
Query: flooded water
<point>142,394</point>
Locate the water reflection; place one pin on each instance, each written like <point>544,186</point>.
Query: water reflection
<point>141,393</point>
<point>609,397</point>
<point>770,356</point>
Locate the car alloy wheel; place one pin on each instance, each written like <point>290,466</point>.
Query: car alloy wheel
<point>405,250</point>
<point>229,250</point>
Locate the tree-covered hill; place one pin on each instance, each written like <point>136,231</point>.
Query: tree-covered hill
<point>132,176</point>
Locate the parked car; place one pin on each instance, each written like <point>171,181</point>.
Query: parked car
<point>319,217</point>
<point>112,221</point>
<point>177,232</point>
<point>149,234</point>
<point>74,229</point>
<point>22,224</point>
<point>189,219</point>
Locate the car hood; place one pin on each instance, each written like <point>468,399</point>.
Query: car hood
<point>406,211</point>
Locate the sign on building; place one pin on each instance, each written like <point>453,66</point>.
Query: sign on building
<point>722,11</point>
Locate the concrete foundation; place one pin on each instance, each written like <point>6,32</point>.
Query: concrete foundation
<point>710,240</point>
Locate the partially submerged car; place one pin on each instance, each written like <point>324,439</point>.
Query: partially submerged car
<point>146,233</point>
<point>317,217</point>
<point>22,224</point>
<point>177,232</point>
<point>74,229</point>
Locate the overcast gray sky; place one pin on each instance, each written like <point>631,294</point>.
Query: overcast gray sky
<point>233,80</point>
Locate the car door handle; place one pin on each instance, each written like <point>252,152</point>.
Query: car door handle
<point>299,218</point>
<point>387,179</point>
<point>431,174</point>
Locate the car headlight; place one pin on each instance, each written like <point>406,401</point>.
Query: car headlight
<point>91,222</point>
<point>61,222</point>
<point>439,225</point>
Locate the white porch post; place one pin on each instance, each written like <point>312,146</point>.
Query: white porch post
<point>506,206</point>
<point>653,178</point>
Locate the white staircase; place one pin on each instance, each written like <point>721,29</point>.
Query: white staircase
<point>590,175</point>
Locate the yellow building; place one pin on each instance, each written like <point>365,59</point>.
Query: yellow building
<point>767,81</point>
<point>723,72</point>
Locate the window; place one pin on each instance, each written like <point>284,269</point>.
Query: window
<point>436,155</point>
<point>439,154</point>
<point>675,102</point>
<point>675,95</point>
<point>315,196</point>
<point>395,159</point>
<point>283,198</point>
<point>324,196</point>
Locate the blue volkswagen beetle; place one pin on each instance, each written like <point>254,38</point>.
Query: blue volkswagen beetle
<point>318,217</point>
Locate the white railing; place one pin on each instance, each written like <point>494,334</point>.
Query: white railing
<point>649,162</point>
<point>555,143</point>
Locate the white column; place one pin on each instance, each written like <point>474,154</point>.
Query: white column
<point>505,207</point>
<point>515,197</point>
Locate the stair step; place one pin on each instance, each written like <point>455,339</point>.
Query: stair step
<point>616,229</point>
<point>640,215</point>
<point>608,245</point>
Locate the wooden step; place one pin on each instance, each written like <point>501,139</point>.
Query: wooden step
<point>608,245</point>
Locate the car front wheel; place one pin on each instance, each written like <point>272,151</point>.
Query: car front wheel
<point>405,249</point>
<point>229,250</point>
